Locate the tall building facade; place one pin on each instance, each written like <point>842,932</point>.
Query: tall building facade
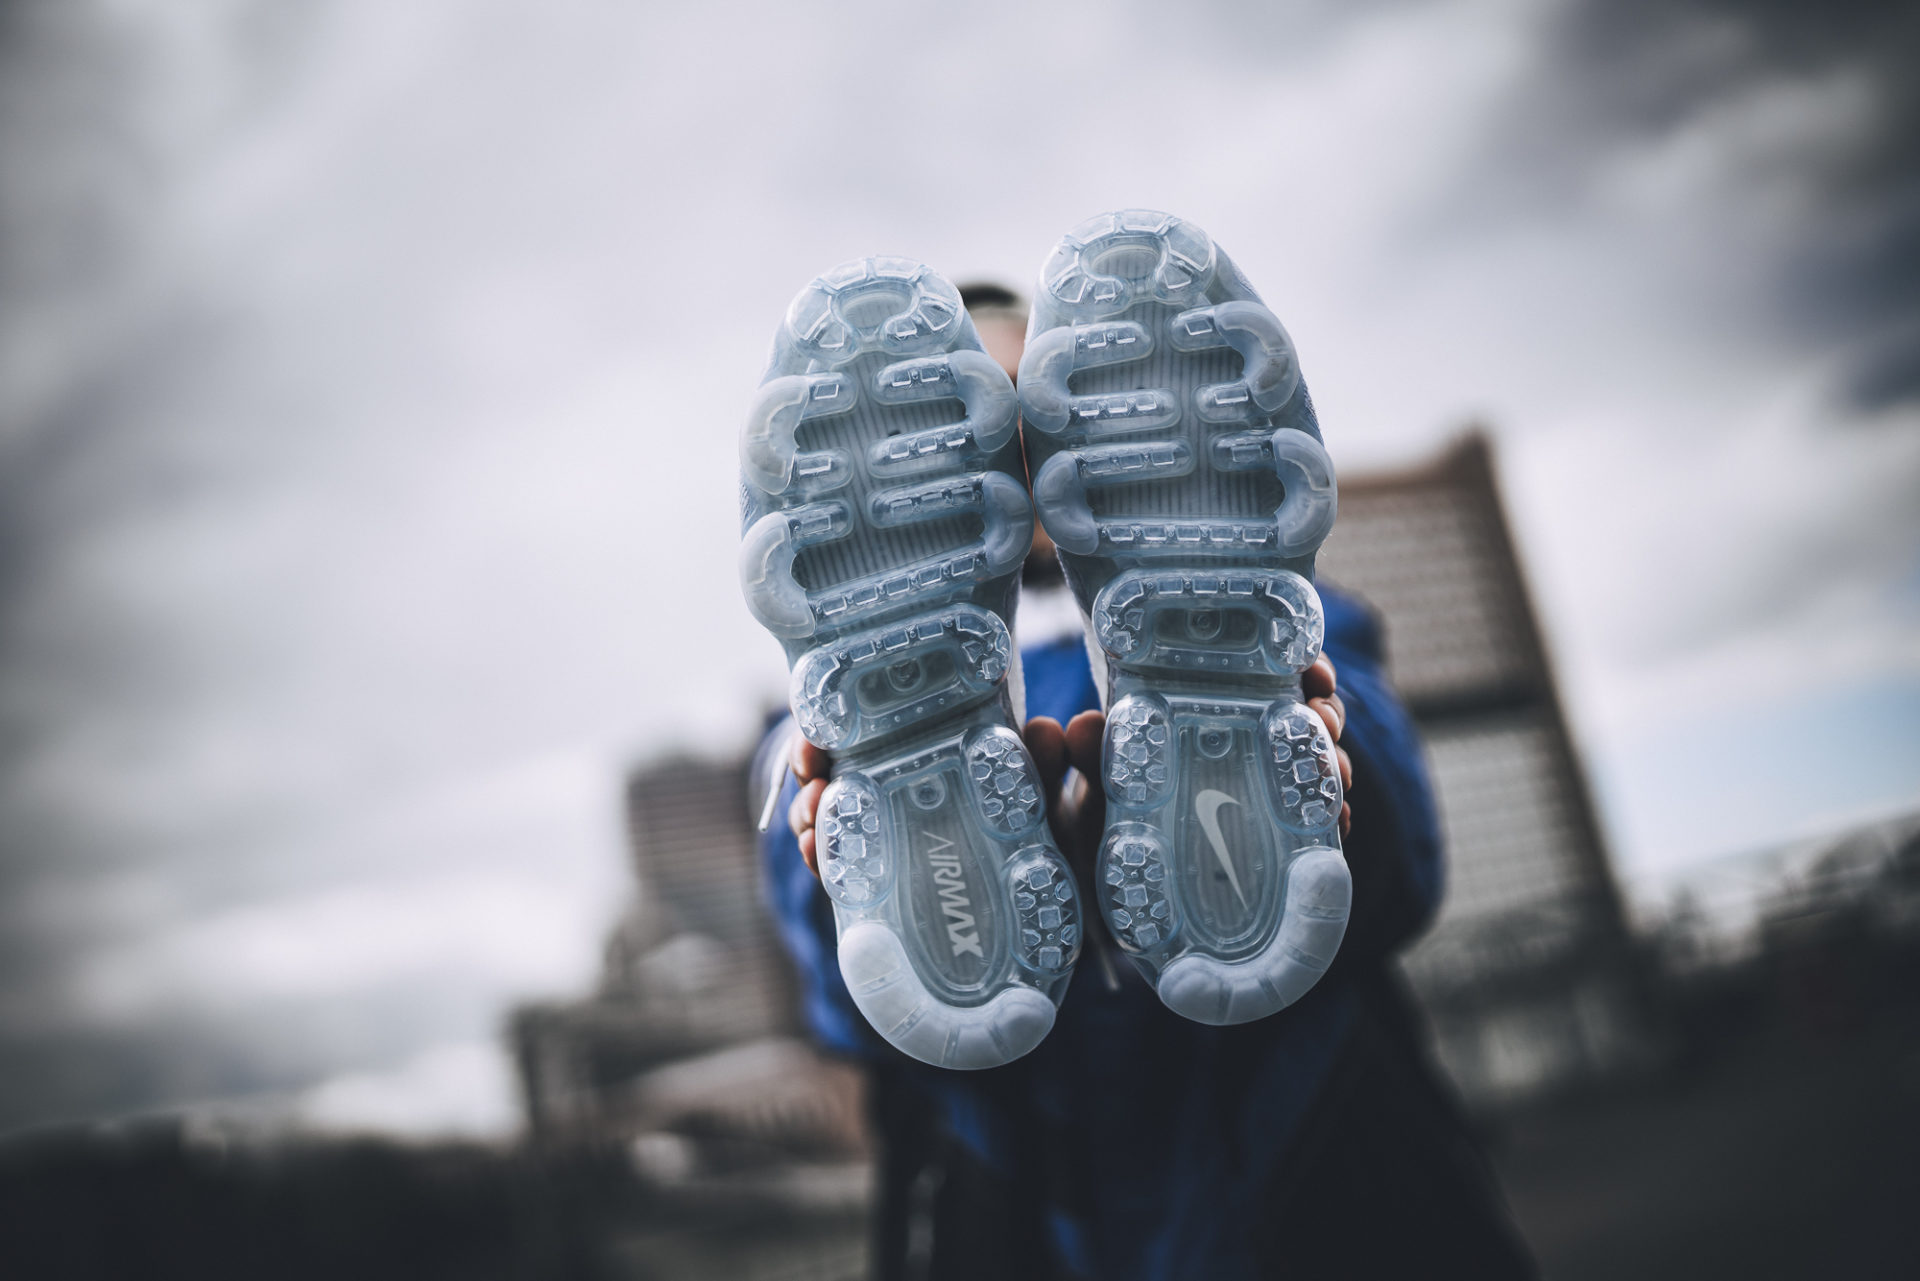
<point>1529,973</point>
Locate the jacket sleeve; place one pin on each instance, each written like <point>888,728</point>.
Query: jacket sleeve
<point>1394,847</point>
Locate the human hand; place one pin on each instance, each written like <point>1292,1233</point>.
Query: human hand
<point>810,765</point>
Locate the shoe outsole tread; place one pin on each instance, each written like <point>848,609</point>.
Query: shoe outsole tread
<point>882,542</point>
<point>1178,466</point>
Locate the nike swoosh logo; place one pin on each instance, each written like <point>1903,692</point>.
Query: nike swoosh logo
<point>1207,805</point>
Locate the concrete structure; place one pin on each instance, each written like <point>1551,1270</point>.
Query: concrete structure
<point>750,1146</point>
<point>1528,973</point>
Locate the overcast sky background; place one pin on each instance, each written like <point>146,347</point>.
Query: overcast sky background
<point>369,376</point>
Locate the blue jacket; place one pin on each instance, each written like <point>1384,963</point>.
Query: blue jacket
<point>1159,1136</point>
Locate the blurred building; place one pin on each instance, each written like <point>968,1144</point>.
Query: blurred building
<point>1529,973</point>
<point>750,1147</point>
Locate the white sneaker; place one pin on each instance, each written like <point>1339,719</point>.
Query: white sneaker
<point>1177,464</point>
<point>883,543</point>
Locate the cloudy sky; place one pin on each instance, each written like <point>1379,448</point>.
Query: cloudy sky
<point>369,374</point>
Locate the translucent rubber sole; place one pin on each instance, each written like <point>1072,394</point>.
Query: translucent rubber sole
<point>885,518</point>
<point>1178,466</point>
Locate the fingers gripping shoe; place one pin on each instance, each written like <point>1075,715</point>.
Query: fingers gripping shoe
<point>1177,464</point>
<point>886,518</point>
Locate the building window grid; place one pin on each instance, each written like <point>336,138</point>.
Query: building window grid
<point>1512,841</point>
<point>1429,562</point>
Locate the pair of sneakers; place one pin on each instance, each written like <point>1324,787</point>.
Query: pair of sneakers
<point>1177,465</point>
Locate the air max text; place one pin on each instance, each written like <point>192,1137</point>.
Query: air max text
<point>954,903</point>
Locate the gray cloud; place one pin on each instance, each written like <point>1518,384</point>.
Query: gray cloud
<point>1620,77</point>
